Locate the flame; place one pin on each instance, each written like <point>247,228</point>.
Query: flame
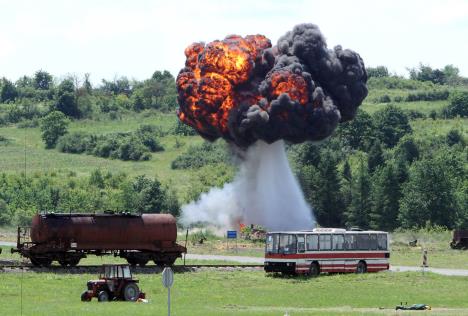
<point>284,81</point>
<point>216,79</point>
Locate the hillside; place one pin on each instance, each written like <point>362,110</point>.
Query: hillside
<point>423,104</point>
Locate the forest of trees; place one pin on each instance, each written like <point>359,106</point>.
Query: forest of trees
<point>374,172</point>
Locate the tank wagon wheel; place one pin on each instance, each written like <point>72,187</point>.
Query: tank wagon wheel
<point>103,296</point>
<point>41,262</point>
<point>63,263</point>
<point>131,292</point>
<point>132,261</point>
<point>85,297</point>
<point>142,262</point>
<point>361,267</point>
<point>314,270</point>
<point>73,262</point>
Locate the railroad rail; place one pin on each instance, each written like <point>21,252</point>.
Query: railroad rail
<point>149,269</point>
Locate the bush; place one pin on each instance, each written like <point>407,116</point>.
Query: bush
<point>53,126</point>
<point>183,129</point>
<point>77,143</point>
<point>125,146</point>
<point>458,105</point>
<point>413,114</point>
<point>199,156</point>
<point>28,123</point>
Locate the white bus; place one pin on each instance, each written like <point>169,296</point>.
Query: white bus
<point>326,250</point>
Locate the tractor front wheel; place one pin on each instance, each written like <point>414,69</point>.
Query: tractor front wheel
<point>85,297</point>
<point>131,292</point>
<point>103,296</point>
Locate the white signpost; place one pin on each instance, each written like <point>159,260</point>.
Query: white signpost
<point>167,281</point>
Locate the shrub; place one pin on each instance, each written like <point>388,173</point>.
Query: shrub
<point>458,105</point>
<point>199,156</point>
<point>53,126</point>
<point>77,143</point>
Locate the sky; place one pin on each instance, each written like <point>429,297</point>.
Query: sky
<point>109,39</point>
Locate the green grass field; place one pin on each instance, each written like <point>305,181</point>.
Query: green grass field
<point>240,293</point>
<point>422,106</point>
<point>26,144</point>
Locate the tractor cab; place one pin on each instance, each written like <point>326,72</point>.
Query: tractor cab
<point>115,283</point>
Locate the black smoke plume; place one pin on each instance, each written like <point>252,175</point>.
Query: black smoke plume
<point>244,90</point>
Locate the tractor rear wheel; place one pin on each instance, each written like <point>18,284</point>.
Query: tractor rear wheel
<point>63,263</point>
<point>103,296</point>
<point>131,292</point>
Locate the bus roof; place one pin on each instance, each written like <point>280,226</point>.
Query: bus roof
<point>327,231</point>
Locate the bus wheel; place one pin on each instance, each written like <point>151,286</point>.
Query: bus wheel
<point>361,267</point>
<point>314,270</point>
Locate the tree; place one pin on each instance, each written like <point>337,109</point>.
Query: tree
<point>357,133</point>
<point>358,211</point>
<point>407,150</point>
<point>323,190</point>
<point>153,197</point>
<point>96,179</point>
<point>53,126</point>
<point>391,124</point>
<point>375,157</point>
<point>385,199</point>
<point>428,196</point>
<point>458,105</point>
<point>66,100</point>
<point>454,137</point>
<point>42,80</point>
<point>8,92</point>
<point>426,73</point>
<point>377,72</point>
<point>347,171</point>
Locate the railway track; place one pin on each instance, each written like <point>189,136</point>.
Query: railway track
<point>149,269</point>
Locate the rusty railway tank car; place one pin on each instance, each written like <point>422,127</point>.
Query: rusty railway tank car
<point>67,238</point>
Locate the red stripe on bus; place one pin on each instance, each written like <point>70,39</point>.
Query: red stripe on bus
<point>327,255</point>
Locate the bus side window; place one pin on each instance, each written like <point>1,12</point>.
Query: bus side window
<point>373,241</point>
<point>338,242</point>
<point>312,242</point>
<point>350,242</point>
<point>325,242</point>
<point>363,241</point>
<point>382,241</point>
<point>300,243</point>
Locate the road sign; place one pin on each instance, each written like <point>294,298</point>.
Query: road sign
<point>167,277</point>
<point>167,281</point>
<point>231,234</point>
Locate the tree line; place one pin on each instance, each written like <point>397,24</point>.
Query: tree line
<point>374,173</point>
<point>30,98</point>
<point>22,196</point>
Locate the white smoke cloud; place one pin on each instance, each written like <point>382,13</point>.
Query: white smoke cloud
<point>264,192</point>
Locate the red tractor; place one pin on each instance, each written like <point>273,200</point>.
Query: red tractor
<point>115,283</point>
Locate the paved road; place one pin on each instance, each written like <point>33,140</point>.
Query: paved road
<point>7,243</point>
<point>452,272</point>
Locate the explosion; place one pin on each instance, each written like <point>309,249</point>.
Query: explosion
<point>243,89</point>
<point>247,92</point>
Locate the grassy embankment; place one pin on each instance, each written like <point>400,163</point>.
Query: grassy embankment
<point>240,293</point>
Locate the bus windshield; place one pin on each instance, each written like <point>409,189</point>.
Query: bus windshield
<point>281,243</point>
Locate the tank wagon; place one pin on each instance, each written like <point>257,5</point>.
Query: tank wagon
<point>67,238</point>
